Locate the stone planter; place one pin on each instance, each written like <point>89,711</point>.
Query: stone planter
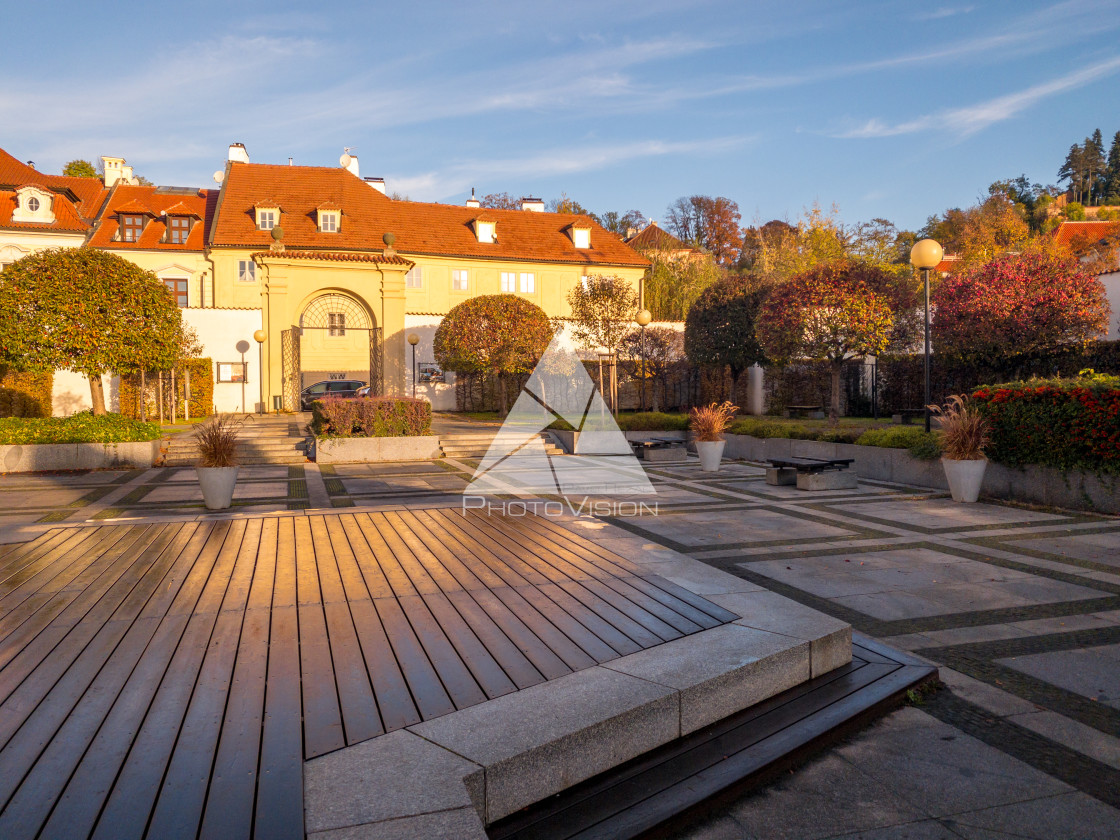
<point>965,478</point>
<point>363,450</point>
<point>217,485</point>
<point>710,452</point>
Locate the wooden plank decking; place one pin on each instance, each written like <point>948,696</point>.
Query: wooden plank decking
<point>168,680</point>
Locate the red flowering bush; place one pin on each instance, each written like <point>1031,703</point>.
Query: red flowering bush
<point>1066,424</point>
<point>371,417</point>
<point>1020,304</point>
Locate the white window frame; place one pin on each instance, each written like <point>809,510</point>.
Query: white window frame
<point>581,237</point>
<point>414,279</point>
<point>528,283</point>
<point>246,271</point>
<point>487,232</point>
<point>509,282</point>
<point>460,280</point>
<point>266,218</point>
<point>328,221</point>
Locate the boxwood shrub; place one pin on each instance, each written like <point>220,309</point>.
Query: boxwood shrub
<point>920,444</point>
<point>1061,423</point>
<point>82,427</point>
<point>371,417</point>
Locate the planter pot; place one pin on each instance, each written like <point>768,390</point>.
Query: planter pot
<point>710,452</point>
<point>217,485</point>
<point>965,478</point>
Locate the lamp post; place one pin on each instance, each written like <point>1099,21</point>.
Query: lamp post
<point>260,336</point>
<point>243,348</point>
<point>413,339</point>
<point>643,318</point>
<point>926,255</point>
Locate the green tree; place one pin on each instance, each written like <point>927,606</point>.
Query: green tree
<point>720,328</point>
<point>779,251</point>
<point>1112,178</point>
<point>602,311</point>
<point>673,282</point>
<point>565,204</point>
<point>621,223</point>
<point>80,169</point>
<point>88,311</point>
<point>500,334</point>
<point>830,313</point>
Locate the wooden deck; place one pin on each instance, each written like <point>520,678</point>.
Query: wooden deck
<point>168,680</point>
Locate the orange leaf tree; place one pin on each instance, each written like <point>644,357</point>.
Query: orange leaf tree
<point>838,311</point>
<point>500,334</point>
<point>88,311</point>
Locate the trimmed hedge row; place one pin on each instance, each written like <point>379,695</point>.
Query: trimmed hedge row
<point>1065,424</point>
<point>82,427</point>
<point>371,417</point>
<point>202,390</point>
<point>26,394</point>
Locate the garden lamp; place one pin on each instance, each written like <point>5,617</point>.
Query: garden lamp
<point>260,336</point>
<point>925,255</point>
<point>413,339</point>
<point>643,318</point>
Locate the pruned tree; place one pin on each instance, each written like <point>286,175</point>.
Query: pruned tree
<point>504,335</point>
<point>720,330</point>
<point>88,311</point>
<point>603,308</point>
<point>1019,304</point>
<point>652,355</point>
<point>830,313</point>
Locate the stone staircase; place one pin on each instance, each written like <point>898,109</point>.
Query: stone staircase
<point>261,440</point>
<point>473,446</point>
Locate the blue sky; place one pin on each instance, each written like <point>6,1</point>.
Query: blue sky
<point>889,109</point>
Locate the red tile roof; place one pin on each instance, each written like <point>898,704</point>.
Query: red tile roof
<point>653,238</point>
<point>374,257</point>
<point>1081,236</point>
<point>155,202</point>
<point>66,216</point>
<point>84,196</point>
<point>367,214</point>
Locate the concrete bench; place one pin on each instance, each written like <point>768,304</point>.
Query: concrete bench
<point>906,416</point>
<point>812,412</point>
<point>661,450</point>
<point>812,473</point>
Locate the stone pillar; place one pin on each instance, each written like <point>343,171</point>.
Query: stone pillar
<point>393,360</point>
<point>756,398</point>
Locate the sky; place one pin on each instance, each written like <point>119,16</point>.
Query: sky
<point>896,110</point>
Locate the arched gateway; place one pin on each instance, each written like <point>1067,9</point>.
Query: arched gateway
<point>330,319</point>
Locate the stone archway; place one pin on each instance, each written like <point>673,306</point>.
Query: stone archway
<point>338,314</point>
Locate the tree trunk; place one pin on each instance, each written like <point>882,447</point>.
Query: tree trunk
<point>834,404</point>
<point>97,393</point>
<point>502,410</point>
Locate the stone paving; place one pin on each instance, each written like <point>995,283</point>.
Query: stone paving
<point>1019,608</point>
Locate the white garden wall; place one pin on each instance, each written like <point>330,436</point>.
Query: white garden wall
<point>220,330</point>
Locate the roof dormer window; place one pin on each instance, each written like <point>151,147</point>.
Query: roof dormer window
<point>581,235</point>
<point>266,219</point>
<point>33,204</point>
<point>487,230</point>
<point>178,229</point>
<point>131,228</point>
<point>329,221</point>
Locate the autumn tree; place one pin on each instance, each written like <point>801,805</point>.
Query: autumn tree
<point>1018,304</point>
<point>80,169</point>
<point>708,223</point>
<point>652,354</point>
<point>674,282</point>
<point>88,311</point>
<point>830,313</point>
<point>565,204</point>
<point>777,250</point>
<point>504,335</point>
<point>621,224</point>
<point>603,308</point>
<point>720,328</point>
<point>500,201</point>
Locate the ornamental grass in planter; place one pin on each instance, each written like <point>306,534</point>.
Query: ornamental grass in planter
<point>708,425</point>
<point>964,434</point>
<point>217,465</point>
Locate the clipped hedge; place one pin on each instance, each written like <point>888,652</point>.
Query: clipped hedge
<point>1061,423</point>
<point>82,427</point>
<point>26,394</point>
<point>774,429</point>
<point>921,444</point>
<point>202,390</point>
<point>371,417</point>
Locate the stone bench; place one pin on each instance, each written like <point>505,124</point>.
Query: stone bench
<point>812,473</point>
<point>661,450</point>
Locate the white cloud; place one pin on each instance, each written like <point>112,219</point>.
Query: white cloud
<point>967,121</point>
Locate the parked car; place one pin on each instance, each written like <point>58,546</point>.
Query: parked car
<point>328,388</point>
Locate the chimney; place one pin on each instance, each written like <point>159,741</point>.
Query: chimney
<point>351,165</point>
<point>237,153</point>
<point>631,232</point>
<point>31,163</point>
<point>472,201</point>
<point>377,183</point>
<point>116,170</point>
<point>533,205</point>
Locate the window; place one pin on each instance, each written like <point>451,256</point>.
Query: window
<point>415,278</point>
<point>487,231</point>
<point>266,219</point>
<point>583,282</point>
<point>528,283</point>
<point>460,280</point>
<point>33,204</point>
<point>336,322</point>
<point>233,371</point>
<point>178,229</point>
<point>328,222</point>
<point>131,228</point>
<point>508,280</point>
<point>581,237</point>
<point>247,271</point>
<point>177,288</point>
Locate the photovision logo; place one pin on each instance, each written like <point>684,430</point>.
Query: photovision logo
<point>590,480</point>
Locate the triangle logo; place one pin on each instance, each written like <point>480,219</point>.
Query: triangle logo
<point>517,462</point>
